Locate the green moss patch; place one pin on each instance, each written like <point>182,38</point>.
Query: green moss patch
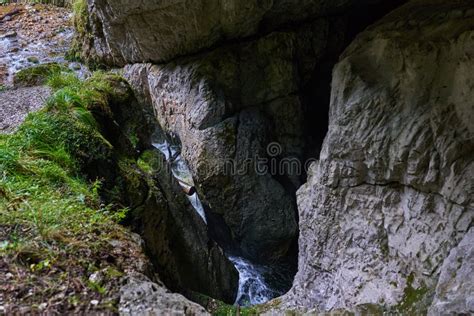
<point>37,75</point>
<point>415,301</point>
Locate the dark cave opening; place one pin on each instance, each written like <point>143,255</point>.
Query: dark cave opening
<point>315,95</point>
<point>316,92</point>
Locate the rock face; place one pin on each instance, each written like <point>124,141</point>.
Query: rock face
<point>455,290</point>
<point>178,243</point>
<point>175,238</point>
<point>393,191</point>
<point>226,108</point>
<point>182,27</point>
<point>231,81</point>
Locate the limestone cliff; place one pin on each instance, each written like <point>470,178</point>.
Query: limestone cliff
<point>392,192</point>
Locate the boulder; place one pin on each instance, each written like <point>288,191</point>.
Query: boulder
<point>140,296</point>
<point>393,191</point>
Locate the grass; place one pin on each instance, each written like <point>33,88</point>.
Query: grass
<point>80,22</point>
<point>54,227</point>
<point>37,75</point>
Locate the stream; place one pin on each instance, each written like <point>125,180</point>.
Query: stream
<point>257,283</point>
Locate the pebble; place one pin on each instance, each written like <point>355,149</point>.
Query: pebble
<point>75,66</point>
<point>96,277</point>
<point>33,59</point>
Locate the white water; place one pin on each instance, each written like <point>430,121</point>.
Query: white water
<point>253,289</point>
<point>15,52</point>
<point>182,173</point>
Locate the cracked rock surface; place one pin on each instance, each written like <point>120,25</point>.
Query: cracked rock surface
<point>393,191</point>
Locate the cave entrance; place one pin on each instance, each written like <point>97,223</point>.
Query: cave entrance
<point>316,92</point>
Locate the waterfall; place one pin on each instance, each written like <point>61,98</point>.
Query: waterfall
<point>181,172</point>
<point>253,287</point>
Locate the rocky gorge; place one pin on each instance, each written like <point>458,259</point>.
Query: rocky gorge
<point>391,193</point>
<point>303,156</point>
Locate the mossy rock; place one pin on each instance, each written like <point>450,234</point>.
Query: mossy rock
<point>37,75</point>
<point>415,301</point>
<point>151,162</point>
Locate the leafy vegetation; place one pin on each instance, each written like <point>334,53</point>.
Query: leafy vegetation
<point>54,227</point>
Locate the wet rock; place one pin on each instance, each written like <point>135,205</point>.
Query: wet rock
<point>75,66</point>
<point>178,243</point>
<point>175,237</point>
<point>393,191</point>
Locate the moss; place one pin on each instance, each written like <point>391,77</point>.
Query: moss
<point>83,41</point>
<point>80,22</point>
<point>413,299</point>
<point>80,16</point>
<point>37,75</point>
<point>150,162</point>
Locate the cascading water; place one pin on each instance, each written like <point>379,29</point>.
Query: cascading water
<point>254,287</point>
<point>182,173</point>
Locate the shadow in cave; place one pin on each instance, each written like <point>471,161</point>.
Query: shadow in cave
<point>316,91</point>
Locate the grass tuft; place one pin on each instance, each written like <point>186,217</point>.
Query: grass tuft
<point>53,224</point>
<point>37,75</point>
